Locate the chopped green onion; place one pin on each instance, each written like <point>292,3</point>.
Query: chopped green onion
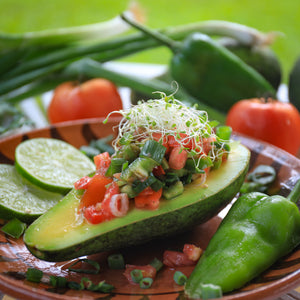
<point>223,132</point>
<point>125,165</point>
<point>146,283</point>
<point>115,166</point>
<point>180,278</point>
<point>171,178</point>
<point>157,264</point>
<point>187,179</point>
<point>262,174</point>
<point>198,165</point>
<point>73,285</point>
<point>174,190</point>
<point>103,287</point>
<point>116,261</point>
<point>89,151</point>
<point>259,180</point>
<point>138,186</point>
<point>136,275</point>
<point>210,291</point>
<point>87,283</point>
<point>157,185</point>
<point>58,281</point>
<point>154,150</point>
<point>34,275</point>
<point>103,144</point>
<point>127,189</point>
<point>248,187</point>
<point>93,263</point>
<point>15,228</point>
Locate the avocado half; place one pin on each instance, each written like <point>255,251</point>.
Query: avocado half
<point>61,234</point>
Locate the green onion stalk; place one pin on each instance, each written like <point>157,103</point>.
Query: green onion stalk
<point>87,68</point>
<point>69,35</point>
<point>18,69</point>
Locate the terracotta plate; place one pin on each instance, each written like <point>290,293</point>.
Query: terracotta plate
<point>15,259</point>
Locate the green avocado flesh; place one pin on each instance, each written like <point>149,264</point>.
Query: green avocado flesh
<point>61,234</point>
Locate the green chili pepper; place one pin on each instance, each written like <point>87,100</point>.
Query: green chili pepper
<point>210,72</point>
<point>256,232</point>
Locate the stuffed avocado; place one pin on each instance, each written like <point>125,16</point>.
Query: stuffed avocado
<point>170,170</point>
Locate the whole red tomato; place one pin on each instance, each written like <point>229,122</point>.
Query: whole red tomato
<point>272,121</point>
<point>91,99</point>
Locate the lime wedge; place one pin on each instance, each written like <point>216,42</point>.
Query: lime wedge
<point>21,199</point>
<point>51,164</point>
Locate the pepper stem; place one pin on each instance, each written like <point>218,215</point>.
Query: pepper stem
<point>294,195</point>
<point>173,45</point>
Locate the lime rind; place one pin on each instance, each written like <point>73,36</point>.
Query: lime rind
<point>20,199</point>
<point>52,164</point>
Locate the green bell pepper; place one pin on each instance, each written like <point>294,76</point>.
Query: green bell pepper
<point>256,232</point>
<point>210,72</point>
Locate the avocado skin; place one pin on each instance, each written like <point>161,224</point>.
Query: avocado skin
<point>294,84</point>
<point>170,222</point>
<point>148,229</point>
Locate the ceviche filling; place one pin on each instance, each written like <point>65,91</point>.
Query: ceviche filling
<point>161,146</point>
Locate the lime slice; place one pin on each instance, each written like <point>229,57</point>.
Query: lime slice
<point>21,199</point>
<point>51,164</point>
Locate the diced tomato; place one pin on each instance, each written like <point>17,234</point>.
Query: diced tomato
<point>95,191</point>
<point>148,272</point>
<point>158,171</point>
<point>174,259</point>
<point>146,192</point>
<point>101,211</point>
<point>102,162</point>
<point>181,140</point>
<point>96,216</point>
<point>113,189</point>
<point>193,252</point>
<point>207,144</point>
<point>148,199</point>
<point>82,183</point>
<point>177,159</point>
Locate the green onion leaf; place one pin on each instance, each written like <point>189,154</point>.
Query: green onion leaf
<point>210,291</point>
<point>116,261</point>
<point>136,275</point>
<point>73,285</point>
<point>154,150</point>
<point>138,186</point>
<point>58,281</point>
<point>15,228</point>
<point>102,287</point>
<point>224,132</point>
<point>115,166</point>
<point>34,275</point>
<point>89,151</point>
<point>262,174</point>
<point>93,263</point>
<point>248,187</point>
<point>180,278</point>
<point>146,283</point>
<point>87,283</point>
<point>103,144</point>
<point>157,264</point>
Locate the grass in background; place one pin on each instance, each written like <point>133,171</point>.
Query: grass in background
<point>267,15</point>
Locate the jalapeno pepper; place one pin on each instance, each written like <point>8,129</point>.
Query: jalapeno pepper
<point>256,232</point>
